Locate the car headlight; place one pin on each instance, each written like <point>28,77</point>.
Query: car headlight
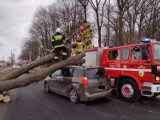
<point>157,78</point>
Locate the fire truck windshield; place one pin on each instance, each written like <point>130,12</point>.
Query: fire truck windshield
<point>156,50</point>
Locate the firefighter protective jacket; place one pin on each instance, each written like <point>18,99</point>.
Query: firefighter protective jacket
<point>57,40</point>
<point>89,32</point>
<point>79,47</point>
<point>82,35</point>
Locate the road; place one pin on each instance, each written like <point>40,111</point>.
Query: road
<point>4,69</point>
<point>32,103</point>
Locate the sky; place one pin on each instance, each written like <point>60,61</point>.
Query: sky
<point>15,20</point>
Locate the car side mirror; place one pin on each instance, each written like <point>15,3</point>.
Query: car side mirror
<point>154,69</point>
<point>50,75</point>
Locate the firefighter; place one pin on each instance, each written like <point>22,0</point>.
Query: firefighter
<point>58,44</point>
<point>81,33</point>
<point>80,47</point>
<point>89,33</point>
<point>85,25</point>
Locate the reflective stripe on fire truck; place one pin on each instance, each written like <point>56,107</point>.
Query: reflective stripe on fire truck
<point>129,69</point>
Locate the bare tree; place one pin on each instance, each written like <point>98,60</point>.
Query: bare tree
<point>152,19</point>
<point>41,23</point>
<point>143,10</point>
<point>66,15</point>
<point>121,9</point>
<point>107,23</point>
<point>99,19</point>
<point>117,22</point>
<point>84,4</point>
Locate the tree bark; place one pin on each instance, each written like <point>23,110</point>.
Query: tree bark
<point>1,97</point>
<point>6,98</point>
<point>12,81</point>
<point>31,65</point>
<point>20,77</point>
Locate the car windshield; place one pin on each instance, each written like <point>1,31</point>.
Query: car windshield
<point>156,50</point>
<point>94,73</point>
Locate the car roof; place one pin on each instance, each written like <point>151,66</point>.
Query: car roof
<point>84,67</point>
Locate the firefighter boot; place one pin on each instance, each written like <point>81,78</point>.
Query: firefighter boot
<point>64,56</point>
<point>64,53</point>
<point>56,57</point>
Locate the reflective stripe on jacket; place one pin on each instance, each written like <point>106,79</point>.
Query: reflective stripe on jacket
<point>89,32</point>
<point>57,40</point>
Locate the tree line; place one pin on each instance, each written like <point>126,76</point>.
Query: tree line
<point>115,23</point>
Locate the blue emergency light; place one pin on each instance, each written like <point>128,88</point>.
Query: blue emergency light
<point>146,40</point>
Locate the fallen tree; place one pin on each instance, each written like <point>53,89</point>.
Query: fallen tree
<point>24,69</point>
<point>19,78</point>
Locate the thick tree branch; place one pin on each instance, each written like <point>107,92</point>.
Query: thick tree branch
<point>27,79</point>
<point>32,65</point>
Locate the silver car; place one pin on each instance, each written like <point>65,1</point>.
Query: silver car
<point>79,83</point>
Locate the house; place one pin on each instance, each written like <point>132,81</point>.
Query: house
<point>3,64</point>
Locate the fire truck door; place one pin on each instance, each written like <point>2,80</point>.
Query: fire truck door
<point>138,66</point>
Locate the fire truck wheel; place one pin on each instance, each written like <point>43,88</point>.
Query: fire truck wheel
<point>128,90</point>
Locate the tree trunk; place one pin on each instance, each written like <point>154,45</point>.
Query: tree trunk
<point>6,98</point>
<point>1,97</point>
<point>20,77</point>
<point>25,69</point>
<point>13,81</point>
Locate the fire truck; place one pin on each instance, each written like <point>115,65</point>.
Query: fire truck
<point>134,69</point>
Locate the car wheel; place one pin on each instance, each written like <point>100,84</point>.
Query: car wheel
<point>73,95</point>
<point>46,87</point>
<point>128,90</point>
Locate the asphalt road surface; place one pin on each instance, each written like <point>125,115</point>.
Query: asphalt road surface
<point>32,103</point>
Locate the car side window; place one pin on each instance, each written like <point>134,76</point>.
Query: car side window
<point>57,73</point>
<point>66,72</point>
<point>125,54</point>
<point>136,53</point>
<point>78,73</point>
<point>114,55</point>
<point>91,73</point>
<point>95,73</point>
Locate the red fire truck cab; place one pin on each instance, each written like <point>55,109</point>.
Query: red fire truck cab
<point>134,69</point>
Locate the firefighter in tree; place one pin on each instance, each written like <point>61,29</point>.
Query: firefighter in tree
<point>88,32</point>
<point>58,44</point>
<point>80,47</point>
<point>89,36</point>
<point>81,33</point>
<point>85,24</point>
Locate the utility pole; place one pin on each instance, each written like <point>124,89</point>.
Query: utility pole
<point>12,57</point>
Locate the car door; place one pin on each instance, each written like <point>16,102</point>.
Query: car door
<point>97,80</point>
<point>64,81</point>
<point>54,80</point>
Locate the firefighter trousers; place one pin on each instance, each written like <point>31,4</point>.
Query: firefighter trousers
<point>59,50</point>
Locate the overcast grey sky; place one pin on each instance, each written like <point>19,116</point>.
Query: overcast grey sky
<point>15,19</point>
